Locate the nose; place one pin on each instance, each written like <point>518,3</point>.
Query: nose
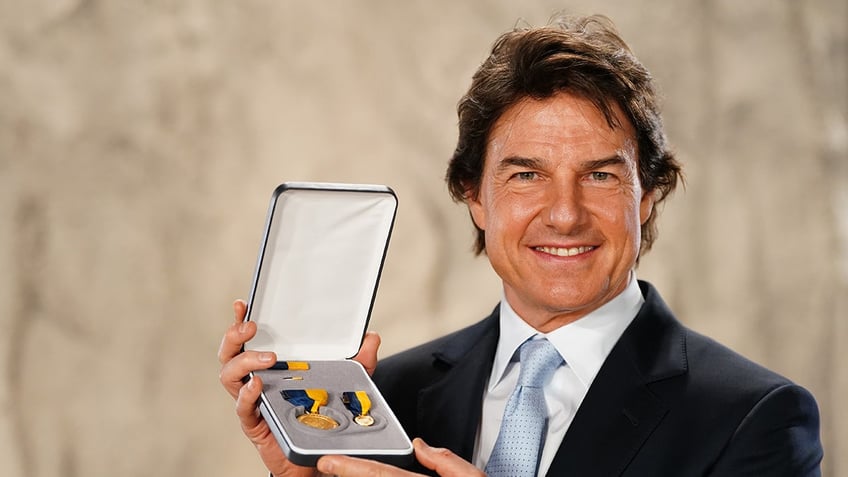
<point>564,209</point>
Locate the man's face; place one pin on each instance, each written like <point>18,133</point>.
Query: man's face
<point>561,207</point>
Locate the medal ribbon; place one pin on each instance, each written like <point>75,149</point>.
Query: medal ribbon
<point>357,402</point>
<point>291,365</point>
<point>310,399</point>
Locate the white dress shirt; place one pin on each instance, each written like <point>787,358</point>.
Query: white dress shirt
<point>584,345</point>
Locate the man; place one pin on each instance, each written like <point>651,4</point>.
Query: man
<point>562,161</point>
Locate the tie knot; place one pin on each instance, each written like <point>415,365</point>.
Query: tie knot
<point>539,360</point>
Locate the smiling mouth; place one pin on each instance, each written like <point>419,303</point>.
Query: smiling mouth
<point>563,252</point>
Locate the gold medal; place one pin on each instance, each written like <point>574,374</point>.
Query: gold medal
<point>318,421</point>
<point>364,420</point>
<point>311,400</point>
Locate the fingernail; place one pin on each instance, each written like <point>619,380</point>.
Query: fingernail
<point>326,465</point>
<point>251,383</point>
<point>243,327</point>
<point>420,445</point>
<point>266,357</point>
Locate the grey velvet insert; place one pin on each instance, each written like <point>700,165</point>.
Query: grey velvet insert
<point>304,444</point>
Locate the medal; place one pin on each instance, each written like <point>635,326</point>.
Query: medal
<point>359,404</point>
<point>318,421</point>
<point>311,400</point>
<point>364,420</point>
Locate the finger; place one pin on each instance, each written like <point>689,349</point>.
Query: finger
<point>239,310</point>
<point>367,355</point>
<point>234,339</point>
<point>234,371</point>
<point>246,409</point>
<point>344,466</point>
<point>443,461</point>
<point>237,334</point>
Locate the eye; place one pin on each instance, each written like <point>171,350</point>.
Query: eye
<point>601,176</point>
<point>525,175</point>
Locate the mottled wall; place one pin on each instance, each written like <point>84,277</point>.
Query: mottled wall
<point>140,140</point>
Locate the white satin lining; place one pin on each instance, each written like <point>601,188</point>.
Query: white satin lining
<point>319,271</point>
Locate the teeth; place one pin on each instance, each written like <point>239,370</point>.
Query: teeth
<point>564,252</point>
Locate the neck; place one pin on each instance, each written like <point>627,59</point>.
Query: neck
<point>545,318</point>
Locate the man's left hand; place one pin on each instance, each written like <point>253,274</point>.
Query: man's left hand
<point>443,461</point>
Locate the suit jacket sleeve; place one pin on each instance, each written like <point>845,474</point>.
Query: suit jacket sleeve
<point>778,437</point>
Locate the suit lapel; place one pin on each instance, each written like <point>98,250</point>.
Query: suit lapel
<point>458,396</point>
<point>619,411</point>
<point>617,415</point>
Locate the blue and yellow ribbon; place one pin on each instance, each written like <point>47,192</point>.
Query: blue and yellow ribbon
<point>359,405</point>
<point>291,365</point>
<point>310,399</point>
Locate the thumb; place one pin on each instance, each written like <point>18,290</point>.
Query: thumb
<point>443,461</point>
<point>367,355</point>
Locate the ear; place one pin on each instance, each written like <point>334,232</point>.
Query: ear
<point>646,206</point>
<point>476,208</point>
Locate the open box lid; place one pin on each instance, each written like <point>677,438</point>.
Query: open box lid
<point>318,268</point>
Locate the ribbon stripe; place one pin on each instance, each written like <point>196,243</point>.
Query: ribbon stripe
<point>310,399</point>
<point>291,365</point>
<point>357,402</point>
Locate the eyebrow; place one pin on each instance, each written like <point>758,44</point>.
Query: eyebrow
<point>535,163</point>
<point>518,161</point>
<point>605,162</point>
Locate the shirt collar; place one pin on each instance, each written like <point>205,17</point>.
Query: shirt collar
<point>584,344</point>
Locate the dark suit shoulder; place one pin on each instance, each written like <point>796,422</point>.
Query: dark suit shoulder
<point>663,347</point>
<point>403,377</point>
<point>763,423</point>
<point>414,366</point>
<point>720,366</point>
<point>693,407</point>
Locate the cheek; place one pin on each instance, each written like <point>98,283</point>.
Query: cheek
<point>508,216</point>
<point>631,224</point>
<point>620,216</point>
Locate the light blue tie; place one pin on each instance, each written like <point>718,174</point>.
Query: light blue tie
<point>519,444</point>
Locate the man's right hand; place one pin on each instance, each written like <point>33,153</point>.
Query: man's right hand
<point>236,364</point>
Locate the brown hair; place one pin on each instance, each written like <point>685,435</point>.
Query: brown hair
<point>583,56</point>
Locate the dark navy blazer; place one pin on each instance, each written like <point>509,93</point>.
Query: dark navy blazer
<point>666,402</point>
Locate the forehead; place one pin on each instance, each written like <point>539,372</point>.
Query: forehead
<point>563,124</point>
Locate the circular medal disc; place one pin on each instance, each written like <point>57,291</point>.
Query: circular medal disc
<point>318,421</point>
<point>364,420</point>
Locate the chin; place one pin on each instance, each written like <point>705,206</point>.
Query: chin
<point>571,302</point>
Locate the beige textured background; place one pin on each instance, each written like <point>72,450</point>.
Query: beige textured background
<point>140,140</point>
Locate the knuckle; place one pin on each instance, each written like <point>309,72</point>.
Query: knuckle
<point>245,406</point>
<point>442,452</point>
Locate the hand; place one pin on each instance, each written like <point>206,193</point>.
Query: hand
<point>236,364</point>
<point>443,461</point>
